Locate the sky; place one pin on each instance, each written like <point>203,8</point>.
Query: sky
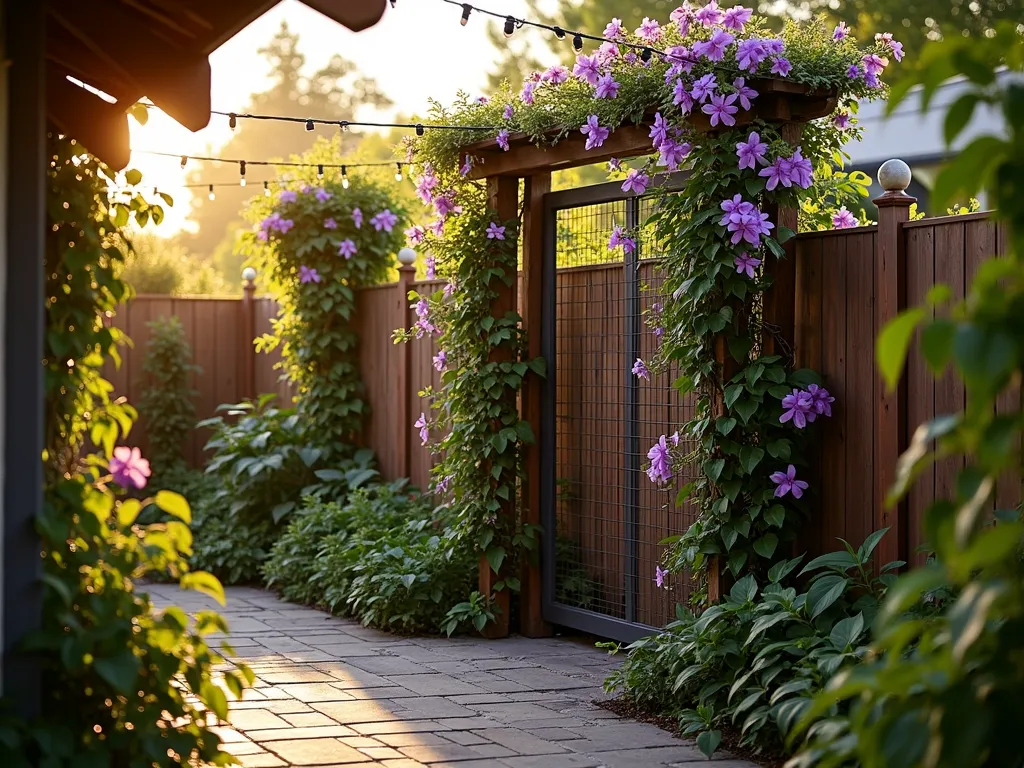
<point>417,51</point>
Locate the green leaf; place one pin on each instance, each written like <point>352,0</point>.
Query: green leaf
<point>893,341</point>
<point>205,583</point>
<point>725,424</point>
<point>746,408</point>
<point>495,556</point>
<point>824,592</point>
<point>937,344</point>
<point>713,468</point>
<point>865,550</point>
<point>120,671</point>
<point>970,614</point>
<point>708,741</point>
<point>750,457</point>
<point>958,115</point>
<point>846,631</point>
<point>744,590</point>
<point>408,580</point>
<point>281,511</point>
<point>174,504</point>
<point>765,546</point>
<point>127,512</point>
<point>133,177</point>
<point>214,698</point>
<point>968,170</point>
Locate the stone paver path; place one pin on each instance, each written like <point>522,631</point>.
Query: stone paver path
<point>332,693</point>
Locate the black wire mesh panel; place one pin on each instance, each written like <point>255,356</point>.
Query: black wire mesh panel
<point>609,519</point>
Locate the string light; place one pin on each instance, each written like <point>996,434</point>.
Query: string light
<point>510,25</point>
<point>559,32</point>
<point>320,171</point>
<point>466,10</point>
<point>577,42</point>
<point>309,124</point>
<point>419,129</point>
<point>398,173</point>
<point>241,173</point>
<point>645,55</point>
<point>344,177</point>
<point>232,121</point>
<point>213,195</point>
<point>266,189</point>
<point>269,163</point>
<point>184,161</point>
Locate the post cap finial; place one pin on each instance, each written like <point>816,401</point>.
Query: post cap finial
<point>407,257</point>
<point>249,274</point>
<point>894,176</point>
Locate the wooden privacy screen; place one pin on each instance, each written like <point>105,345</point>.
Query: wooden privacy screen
<point>836,329</point>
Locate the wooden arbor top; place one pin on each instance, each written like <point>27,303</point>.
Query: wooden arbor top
<point>778,101</point>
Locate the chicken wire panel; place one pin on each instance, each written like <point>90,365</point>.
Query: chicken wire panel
<point>590,320</point>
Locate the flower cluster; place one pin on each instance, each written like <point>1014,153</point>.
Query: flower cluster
<point>803,406</point>
<point>127,467</point>
<point>745,221</point>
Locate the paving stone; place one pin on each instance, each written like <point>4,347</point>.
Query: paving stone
<point>412,739</point>
<point>556,761</point>
<point>433,685</point>
<point>499,664</point>
<point>287,706</point>
<point>252,719</point>
<point>393,692</point>
<point>451,667</point>
<point>515,712</point>
<point>492,750</point>
<point>538,679</point>
<point>431,707</point>
<point>466,723</point>
<point>400,726</point>
<point>645,758</point>
<point>360,742</point>
<point>271,693</point>
<point>414,652</point>
<point>313,732</point>
<point>465,737</point>
<point>520,741</point>
<point>347,676</point>
<point>314,692</point>
<point>317,752</point>
<point>308,719</point>
<point>387,665</point>
<point>334,646</point>
<point>440,752</point>
<point>381,753</point>
<point>242,748</point>
<point>553,734</point>
<point>478,698</point>
<point>228,734</point>
<point>261,760</point>
<point>355,711</point>
<point>404,762</point>
<point>309,655</point>
<point>558,721</point>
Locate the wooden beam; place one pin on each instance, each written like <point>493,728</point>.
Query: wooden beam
<point>503,198</point>
<point>531,621</point>
<point>778,101</point>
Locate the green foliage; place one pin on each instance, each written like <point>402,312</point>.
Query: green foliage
<point>265,462</point>
<point>124,684</point>
<point>752,663</point>
<point>948,690</point>
<point>385,557</point>
<point>319,347</point>
<point>156,265</point>
<point>166,402</point>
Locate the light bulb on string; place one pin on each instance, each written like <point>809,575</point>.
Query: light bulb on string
<point>393,3</point>
<point>559,32</point>
<point>213,195</point>
<point>466,10</point>
<point>241,173</point>
<point>398,173</point>
<point>645,55</point>
<point>577,42</point>
<point>232,120</point>
<point>419,129</point>
<point>320,171</point>
<point>510,26</point>
<point>309,125</point>
<point>344,177</point>
<point>184,161</point>
<point>266,189</point>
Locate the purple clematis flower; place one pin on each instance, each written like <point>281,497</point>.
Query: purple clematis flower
<point>347,249</point>
<point>721,109</point>
<point>797,407</point>
<point>704,88</point>
<point>735,208</point>
<point>749,227</point>
<point>641,371</point>
<point>449,290</point>
<point>710,14</point>
<point>618,238</point>
<point>555,75</point>
<point>357,218</point>
<point>744,92</point>
<point>873,64</point>
<point>649,30</point>
<point>822,400</point>
<point>853,72</point>
<point>660,470</point>
<point>843,219</point>
<point>614,165</point>
<point>308,275</point>
<point>467,166</point>
<point>886,39</point>
<point>715,47</point>
<point>415,234</point>
<point>494,232</point>
<point>672,152</point>
<point>841,31</point>
<point>786,482</point>
<point>128,468</point>
<point>607,53</point>
<point>737,17</point>
<point>444,204</point>
<point>681,96</point>
<point>659,130</point>
<point>287,196</point>
<point>526,95</point>
<point>587,68</point>
<point>437,227</point>
<point>431,267</point>
<point>751,151</point>
<point>322,195</point>
<point>443,483</point>
<point>440,360</point>
<point>745,263</point>
<point>660,575</point>
<point>750,53</point>
<point>507,114</point>
<point>636,182</point>
<point>595,134</point>
<point>781,66</point>
<point>683,17</point>
<point>330,224</point>
<point>841,120</point>
<point>421,425</point>
<point>801,170</point>
<point>614,30</point>
<point>426,184</point>
<point>385,220</point>
<point>779,172</point>
<point>502,139</point>
<point>606,88</point>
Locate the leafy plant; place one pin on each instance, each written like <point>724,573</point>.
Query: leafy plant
<point>752,663</point>
<point>167,404</point>
<point>476,612</point>
<point>948,689</point>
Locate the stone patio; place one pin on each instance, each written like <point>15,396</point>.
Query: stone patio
<point>330,693</point>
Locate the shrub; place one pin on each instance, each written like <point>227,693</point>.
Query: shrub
<point>752,663</point>
<point>166,403</point>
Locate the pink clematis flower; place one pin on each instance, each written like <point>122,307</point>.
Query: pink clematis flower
<point>128,468</point>
<point>744,92</point>
<point>843,219</point>
<point>606,88</point>
<point>502,139</point>
<point>710,14</point>
<point>440,360</point>
<point>415,234</point>
<point>587,68</point>
<point>618,238</point>
<point>649,30</point>
<point>614,30</point>
<point>660,470</point>
<point>737,17</point>
<point>714,48</point>
<point>750,53</point>
<point>421,425</point>
<point>555,75</point>
<point>330,224</point>
<point>841,31</point>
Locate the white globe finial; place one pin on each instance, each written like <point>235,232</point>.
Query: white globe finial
<point>248,274</point>
<point>407,257</point>
<point>894,176</point>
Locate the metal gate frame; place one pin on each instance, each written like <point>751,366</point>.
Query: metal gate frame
<point>628,629</point>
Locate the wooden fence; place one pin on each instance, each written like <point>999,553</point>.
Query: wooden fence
<point>842,299</point>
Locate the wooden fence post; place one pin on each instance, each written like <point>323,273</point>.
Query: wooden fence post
<point>531,622</point>
<point>247,326</point>
<point>403,379</point>
<point>890,406</point>
<point>503,198</point>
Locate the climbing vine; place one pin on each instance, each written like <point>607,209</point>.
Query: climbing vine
<point>704,70</point>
